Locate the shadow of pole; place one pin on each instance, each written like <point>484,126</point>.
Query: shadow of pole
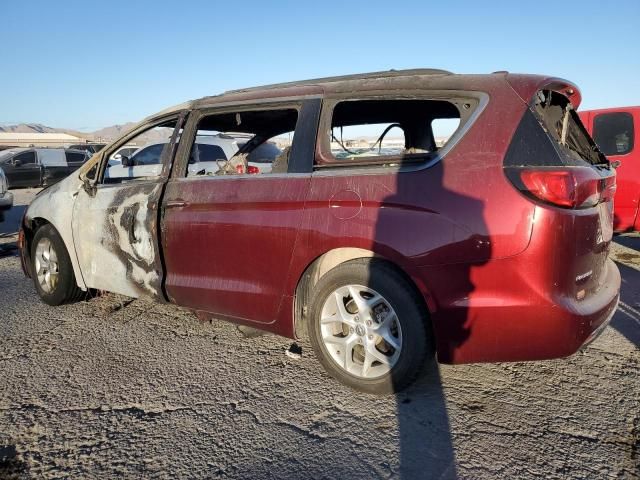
<point>425,440</point>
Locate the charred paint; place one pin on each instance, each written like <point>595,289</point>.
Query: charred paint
<point>130,225</point>
<point>116,238</point>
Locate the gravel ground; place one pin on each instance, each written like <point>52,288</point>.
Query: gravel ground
<point>111,387</point>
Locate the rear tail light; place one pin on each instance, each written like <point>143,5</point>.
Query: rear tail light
<point>574,187</point>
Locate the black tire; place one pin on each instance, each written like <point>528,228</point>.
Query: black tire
<point>411,312</point>
<point>66,289</point>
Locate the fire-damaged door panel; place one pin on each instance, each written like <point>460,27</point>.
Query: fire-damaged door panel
<point>115,221</point>
<point>115,233</point>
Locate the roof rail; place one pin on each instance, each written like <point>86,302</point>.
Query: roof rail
<point>358,76</point>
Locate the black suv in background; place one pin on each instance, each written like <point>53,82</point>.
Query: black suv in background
<point>39,167</point>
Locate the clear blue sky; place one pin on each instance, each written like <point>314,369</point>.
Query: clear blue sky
<point>86,65</point>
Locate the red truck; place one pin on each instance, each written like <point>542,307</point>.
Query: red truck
<point>616,133</point>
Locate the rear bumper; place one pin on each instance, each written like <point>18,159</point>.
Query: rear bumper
<point>596,333</point>
<point>6,201</point>
<point>503,317</point>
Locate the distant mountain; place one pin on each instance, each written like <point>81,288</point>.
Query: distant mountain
<point>111,133</point>
<point>28,128</point>
<point>104,134</point>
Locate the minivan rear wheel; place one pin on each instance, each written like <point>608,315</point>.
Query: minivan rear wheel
<point>369,326</point>
<point>51,268</point>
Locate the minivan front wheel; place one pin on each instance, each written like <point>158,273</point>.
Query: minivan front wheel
<point>369,326</point>
<point>51,268</point>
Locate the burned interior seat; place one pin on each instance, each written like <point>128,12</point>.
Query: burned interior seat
<point>281,162</point>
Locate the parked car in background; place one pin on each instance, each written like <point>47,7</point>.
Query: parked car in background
<point>616,131</point>
<point>491,247</point>
<point>91,148</point>
<point>209,154</point>
<point>6,197</point>
<point>39,167</point>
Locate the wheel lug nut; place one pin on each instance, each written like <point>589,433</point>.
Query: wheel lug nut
<point>369,323</point>
<point>370,337</point>
<point>350,329</point>
<point>356,318</point>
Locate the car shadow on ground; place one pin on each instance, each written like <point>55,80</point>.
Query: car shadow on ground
<point>627,318</point>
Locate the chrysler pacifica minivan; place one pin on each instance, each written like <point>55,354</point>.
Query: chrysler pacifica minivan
<point>409,214</point>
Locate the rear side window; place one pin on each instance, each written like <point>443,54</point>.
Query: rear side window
<point>613,132</point>
<point>207,153</point>
<point>75,157</point>
<point>149,155</point>
<point>388,131</point>
<point>26,158</point>
<point>52,158</point>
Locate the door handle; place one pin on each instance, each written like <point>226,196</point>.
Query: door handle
<point>176,204</point>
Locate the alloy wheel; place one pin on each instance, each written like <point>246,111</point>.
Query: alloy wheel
<point>361,331</point>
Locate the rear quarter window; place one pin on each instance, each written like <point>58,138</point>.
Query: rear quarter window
<point>390,131</point>
<point>614,132</point>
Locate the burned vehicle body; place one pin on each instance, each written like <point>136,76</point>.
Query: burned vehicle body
<point>39,167</point>
<point>473,249</point>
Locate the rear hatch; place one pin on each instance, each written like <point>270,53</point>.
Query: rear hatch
<point>553,160</point>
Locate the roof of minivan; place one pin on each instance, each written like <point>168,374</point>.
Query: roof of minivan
<point>390,80</point>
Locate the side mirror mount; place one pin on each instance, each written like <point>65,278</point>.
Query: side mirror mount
<point>16,162</point>
<point>117,156</point>
<point>126,161</point>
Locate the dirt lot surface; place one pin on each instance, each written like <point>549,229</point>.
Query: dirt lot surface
<point>106,387</point>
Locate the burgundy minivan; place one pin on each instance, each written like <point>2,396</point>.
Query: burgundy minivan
<point>406,213</point>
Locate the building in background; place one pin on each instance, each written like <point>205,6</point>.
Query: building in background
<point>16,139</point>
